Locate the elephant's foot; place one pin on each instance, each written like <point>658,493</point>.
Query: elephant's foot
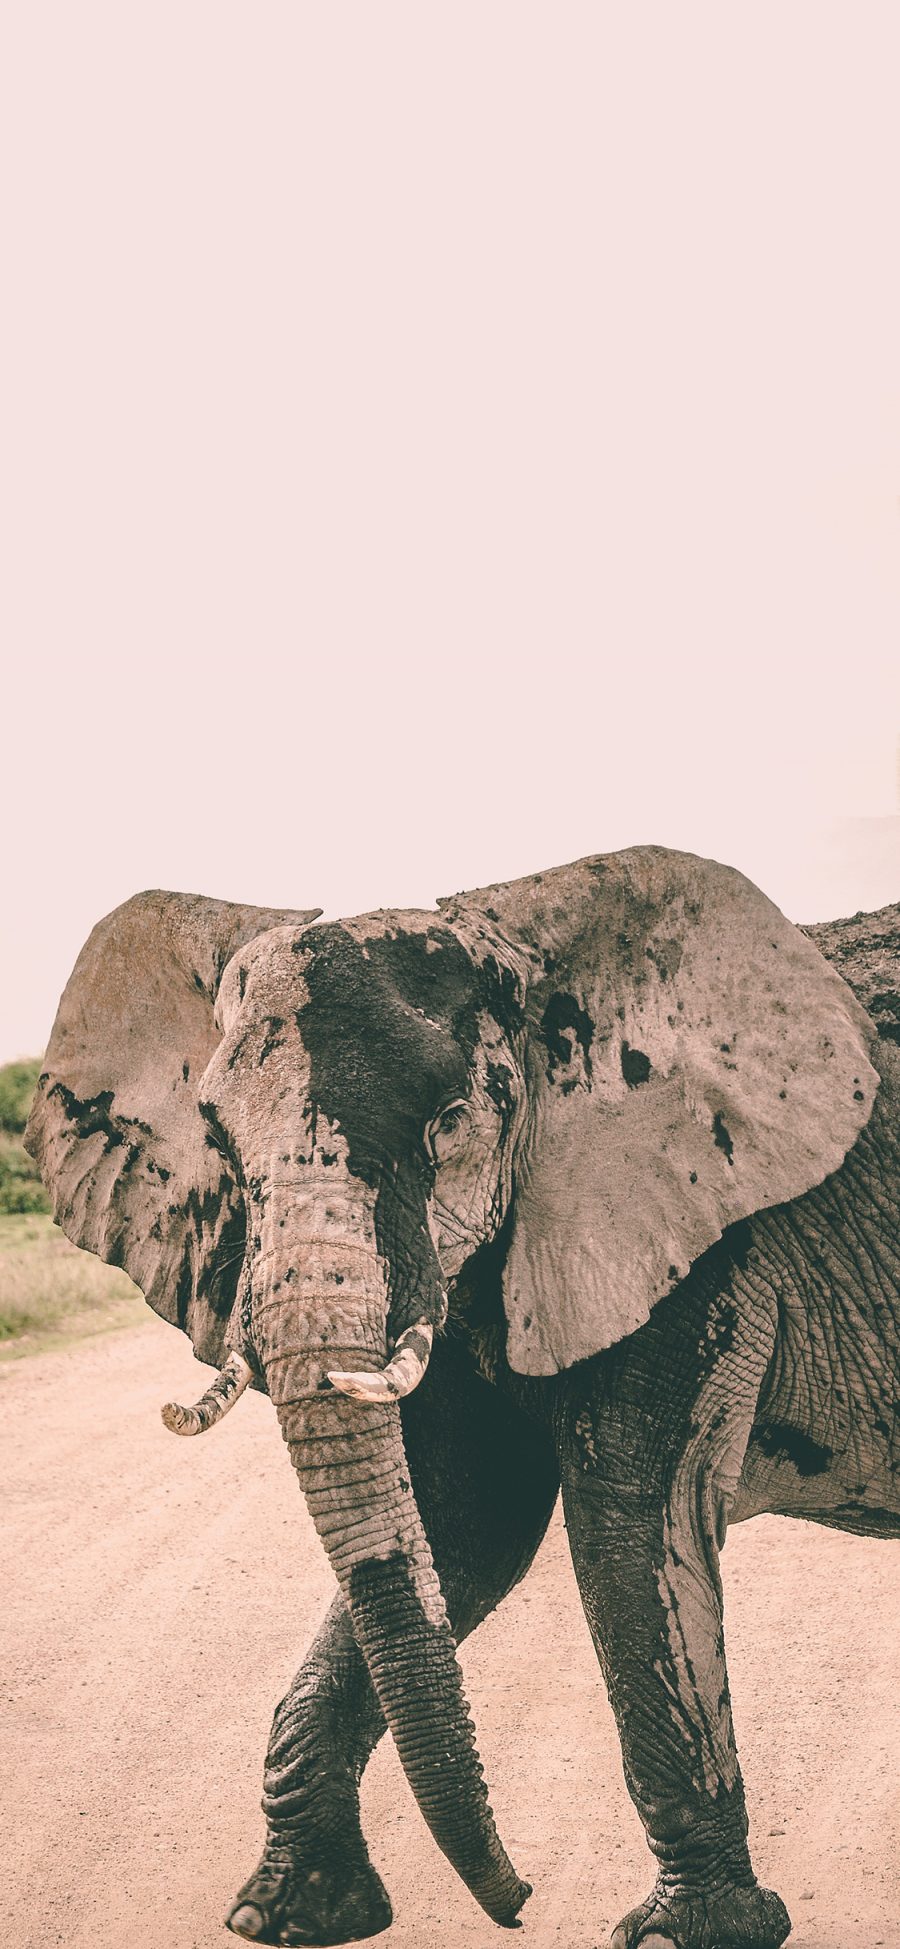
<point>289,1900</point>
<point>735,1918</point>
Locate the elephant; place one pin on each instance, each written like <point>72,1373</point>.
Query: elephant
<point>588,1179</point>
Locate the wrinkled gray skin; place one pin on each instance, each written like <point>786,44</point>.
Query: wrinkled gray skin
<point>365,1073</point>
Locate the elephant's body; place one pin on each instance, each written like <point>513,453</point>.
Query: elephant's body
<point>825,1438</point>
<point>651,1212</point>
<point>825,1442</point>
<point>821,1277</point>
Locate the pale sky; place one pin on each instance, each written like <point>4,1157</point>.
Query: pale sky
<point>439,442</point>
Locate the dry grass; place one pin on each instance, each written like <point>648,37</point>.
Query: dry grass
<point>51,1293</point>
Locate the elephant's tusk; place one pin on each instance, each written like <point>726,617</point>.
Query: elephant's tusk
<point>219,1397</point>
<point>402,1373</point>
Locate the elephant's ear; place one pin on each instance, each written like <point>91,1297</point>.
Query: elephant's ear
<point>691,1058</point>
<point>116,1126</point>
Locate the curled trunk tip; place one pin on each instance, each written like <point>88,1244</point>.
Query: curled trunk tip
<point>221,1395</point>
<point>404,1370</point>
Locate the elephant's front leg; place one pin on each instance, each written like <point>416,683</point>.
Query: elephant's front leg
<point>315,1882</point>
<point>651,1459</point>
<point>485,1480</point>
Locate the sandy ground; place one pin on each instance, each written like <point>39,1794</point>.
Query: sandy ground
<point>157,1596</point>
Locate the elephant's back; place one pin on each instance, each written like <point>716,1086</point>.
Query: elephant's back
<point>865,950</point>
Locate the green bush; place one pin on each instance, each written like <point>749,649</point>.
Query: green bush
<point>18,1081</point>
<point>50,1293</point>
<point>21,1189</point>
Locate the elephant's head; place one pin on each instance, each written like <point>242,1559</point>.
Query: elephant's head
<point>294,1136</point>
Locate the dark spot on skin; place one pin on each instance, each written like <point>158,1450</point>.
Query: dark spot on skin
<point>740,1244</point>
<point>92,1117</point>
<point>499,1088</point>
<point>199,982</point>
<point>725,1048</point>
<point>790,1444</point>
<point>881,1427</point>
<point>693,1177</point>
<point>673,1272</point>
<point>242,983</point>
<point>402,1484</point>
<point>783,1095</point>
<point>237,1051</point>
<point>290,1275</point>
<point>666,958</point>
<point>329,1157</point>
<point>636,1067</point>
<point>719,1337</point>
<point>859,1096</point>
<point>562,1018</point>
<point>502,993</point>
<point>216,1136</point>
<point>184,1293</point>
<point>722,1137</point>
<point>418,1345</point>
<point>865,1521</point>
<point>185,1070</point>
<point>338,1278</point>
<point>273,1037</point>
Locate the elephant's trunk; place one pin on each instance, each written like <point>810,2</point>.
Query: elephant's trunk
<point>351,1466</point>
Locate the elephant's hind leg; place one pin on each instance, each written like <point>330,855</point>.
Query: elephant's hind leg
<point>485,1480</point>
<point>651,1454</point>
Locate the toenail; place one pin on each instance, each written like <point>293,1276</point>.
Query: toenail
<point>247,1921</point>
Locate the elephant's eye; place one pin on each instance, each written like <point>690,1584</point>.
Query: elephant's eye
<point>443,1133</point>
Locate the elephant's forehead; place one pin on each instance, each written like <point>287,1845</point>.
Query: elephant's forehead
<point>386,922</point>
<point>264,977</point>
<point>390,1005</point>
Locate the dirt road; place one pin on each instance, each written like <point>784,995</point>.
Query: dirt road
<point>157,1596</point>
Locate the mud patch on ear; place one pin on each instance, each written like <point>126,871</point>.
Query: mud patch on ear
<point>722,1137</point>
<point>567,1033</point>
<point>636,1067</point>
